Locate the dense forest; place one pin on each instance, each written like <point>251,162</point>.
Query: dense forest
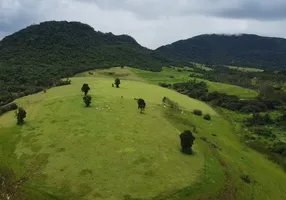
<point>239,50</point>
<point>39,55</point>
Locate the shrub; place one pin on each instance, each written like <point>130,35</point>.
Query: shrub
<point>141,105</point>
<point>7,108</point>
<point>198,112</point>
<point>165,85</point>
<point>207,117</point>
<point>87,100</point>
<point>21,115</point>
<point>187,141</point>
<point>245,178</point>
<point>85,88</point>
<point>117,82</point>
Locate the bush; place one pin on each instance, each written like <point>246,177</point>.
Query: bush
<point>245,178</point>
<point>207,117</point>
<point>187,141</point>
<point>21,115</point>
<point>165,85</point>
<point>198,112</point>
<point>7,108</point>
<point>87,100</point>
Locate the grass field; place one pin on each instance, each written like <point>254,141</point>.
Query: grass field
<point>111,151</point>
<point>246,69</point>
<point>165,77</point>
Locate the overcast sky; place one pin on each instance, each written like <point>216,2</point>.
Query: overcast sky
<point>152,22</point>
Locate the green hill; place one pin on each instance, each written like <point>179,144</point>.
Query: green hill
<point>110,151</point>
<point>41,54</point>
<point>238,50</point>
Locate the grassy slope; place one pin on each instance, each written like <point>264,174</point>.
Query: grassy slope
<point>164,77</point>
<point>108,150</point>
<point>78,151</point>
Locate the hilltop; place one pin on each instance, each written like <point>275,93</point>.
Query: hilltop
<point>240,50</point>
<point>41,54</point>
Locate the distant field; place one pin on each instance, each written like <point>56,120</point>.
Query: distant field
<point>169,75</point>
<point>202,66</point>
<point>246,69</point>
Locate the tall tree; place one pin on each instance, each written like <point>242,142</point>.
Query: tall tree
<point>117,82</point>
<point>187,141</point>
<point>141,105</point>
<point>85,88</point>
<point>21,115</point>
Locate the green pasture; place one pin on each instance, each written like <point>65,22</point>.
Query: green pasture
<point>111,151</point>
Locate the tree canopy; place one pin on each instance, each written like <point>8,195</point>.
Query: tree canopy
<point>239,50</point>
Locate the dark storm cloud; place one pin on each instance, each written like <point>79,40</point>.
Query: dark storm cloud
<point>259,10</point>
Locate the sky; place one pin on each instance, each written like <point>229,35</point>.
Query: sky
<point>152,22</point>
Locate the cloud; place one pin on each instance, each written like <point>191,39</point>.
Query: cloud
<point>152,22</point>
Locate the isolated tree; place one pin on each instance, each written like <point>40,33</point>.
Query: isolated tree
<point>187,141</point>
<point>21,115</point>
<point>85,88</point>
<point>117,82</point>
<point>141,105</point>
<point>87,100</point>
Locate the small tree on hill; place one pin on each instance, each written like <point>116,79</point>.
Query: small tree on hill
<point>85,88</point>
<point>117,82</point>
<point>187,141</point>
<point>87,100</point>
<point>141,105</point>
<point>21,115</point>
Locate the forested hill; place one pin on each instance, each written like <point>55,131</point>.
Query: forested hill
<point>240,50</point>
<point>38,55</point>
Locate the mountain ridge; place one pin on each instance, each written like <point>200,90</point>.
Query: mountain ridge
<point>247,50</point>
<point>39,55</point>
